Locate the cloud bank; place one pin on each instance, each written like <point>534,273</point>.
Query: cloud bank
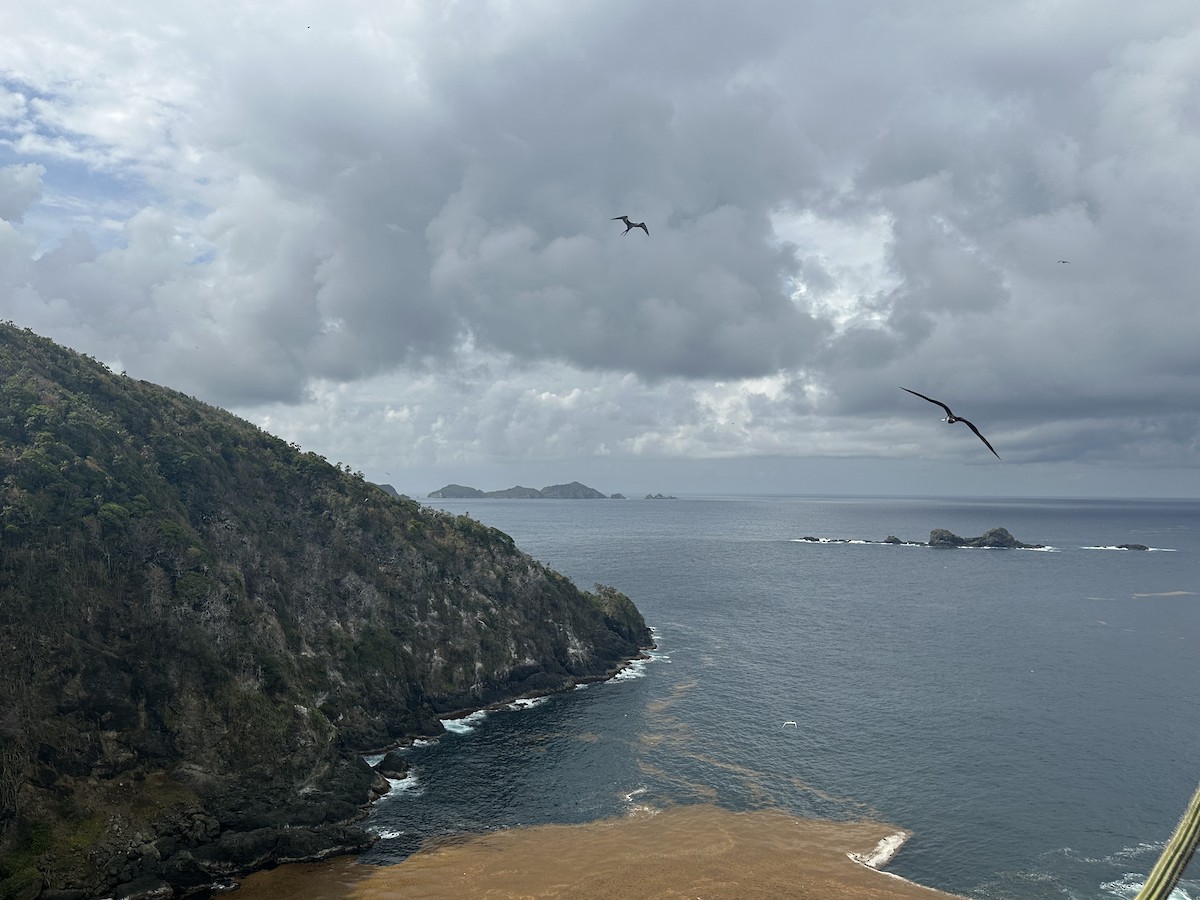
<point>396,218</point>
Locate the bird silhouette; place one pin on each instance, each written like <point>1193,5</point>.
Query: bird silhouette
<point>1067,261</point>
<point>629,226</point>
<point>951,418</point>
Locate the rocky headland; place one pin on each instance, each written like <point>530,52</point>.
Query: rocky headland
<point>202,629</point>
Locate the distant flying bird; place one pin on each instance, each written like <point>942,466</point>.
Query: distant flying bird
<point>629,226</point>
<point>951,418</point>
<point>1067,261</point>
<point>793,724</point>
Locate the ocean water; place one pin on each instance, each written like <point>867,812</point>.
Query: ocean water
<point>1032,717</point>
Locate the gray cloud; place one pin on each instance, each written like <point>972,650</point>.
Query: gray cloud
<point>417,200</point>
<point>20,188</point>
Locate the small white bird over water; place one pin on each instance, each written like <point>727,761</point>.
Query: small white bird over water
<point>793,724</point>
<point>629,226</point>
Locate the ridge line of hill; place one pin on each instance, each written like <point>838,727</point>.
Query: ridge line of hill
<point>202,627</point>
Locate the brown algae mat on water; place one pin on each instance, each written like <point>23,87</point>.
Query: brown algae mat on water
<point>698,851</point>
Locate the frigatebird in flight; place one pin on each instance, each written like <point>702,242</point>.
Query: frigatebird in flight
<point>951,418</point>
<point>629,226</point>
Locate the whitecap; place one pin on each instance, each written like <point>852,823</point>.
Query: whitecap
<point>387,834</point>
<point>466,724</point>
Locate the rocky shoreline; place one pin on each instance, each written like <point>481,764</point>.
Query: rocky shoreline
<point>202,851</point>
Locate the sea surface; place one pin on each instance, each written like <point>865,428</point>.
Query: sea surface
<point>1031,716</point>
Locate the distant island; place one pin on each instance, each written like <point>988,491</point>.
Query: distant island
<point>660,497</point>
<point>994,538</point>
<point>999,538</point>
<point>573,491</point>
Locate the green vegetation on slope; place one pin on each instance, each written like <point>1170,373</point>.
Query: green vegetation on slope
<point>214,618</point>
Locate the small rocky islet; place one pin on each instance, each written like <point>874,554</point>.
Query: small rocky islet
<point>993,538</point>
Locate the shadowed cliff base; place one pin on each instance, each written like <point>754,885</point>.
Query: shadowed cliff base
<point>688,851</point>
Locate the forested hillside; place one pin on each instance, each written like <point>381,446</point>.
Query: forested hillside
<point>201,626</point>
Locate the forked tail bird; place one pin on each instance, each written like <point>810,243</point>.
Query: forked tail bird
<point>951,418</point>
<point>629,226</point>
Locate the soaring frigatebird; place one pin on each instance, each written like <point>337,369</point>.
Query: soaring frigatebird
<point>951,418</point>
<point>629,226</point>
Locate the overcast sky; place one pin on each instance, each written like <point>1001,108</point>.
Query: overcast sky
<point>383,230</point>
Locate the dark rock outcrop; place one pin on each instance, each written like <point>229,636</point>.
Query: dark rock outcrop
<point>1132,547</point>
<point>202,628</point>
<point>994,537</point>
<point>393,765</point>
<point>940,537</point>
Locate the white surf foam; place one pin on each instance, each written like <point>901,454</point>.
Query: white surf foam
<point>466,724</point>
<point>884,851</point>
<point>387,834</point>
<point>1126,549</point>
<point>527,702</point>
<point>639,809</point>
<point>409,784</point>
<point>635,669</point>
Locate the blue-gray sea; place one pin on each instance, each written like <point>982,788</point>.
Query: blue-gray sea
<point>1031,716</point>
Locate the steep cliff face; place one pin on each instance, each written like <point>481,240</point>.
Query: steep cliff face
<point>202,626</point>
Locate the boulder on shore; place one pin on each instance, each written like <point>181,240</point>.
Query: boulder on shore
<point>393,765</point>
